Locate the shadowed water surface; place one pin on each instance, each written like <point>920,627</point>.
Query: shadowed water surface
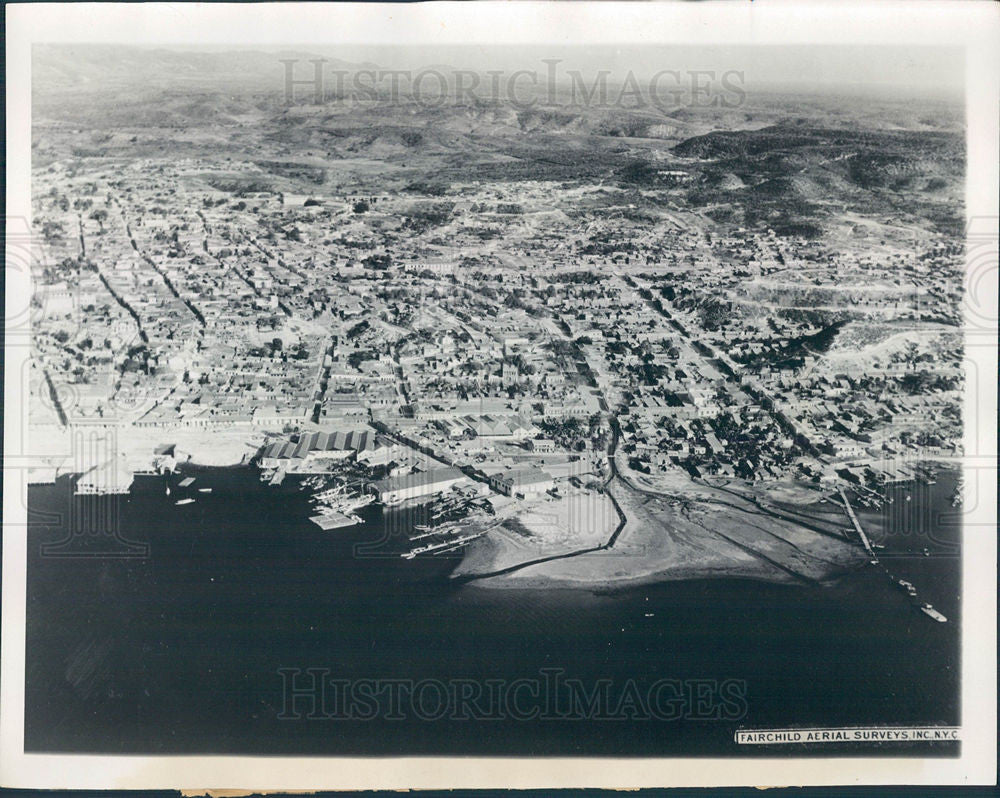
<point>182,650</point>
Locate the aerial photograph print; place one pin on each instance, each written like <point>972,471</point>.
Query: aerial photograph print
<point>459,400</point>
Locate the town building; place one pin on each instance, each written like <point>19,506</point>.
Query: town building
<point>413,486</point>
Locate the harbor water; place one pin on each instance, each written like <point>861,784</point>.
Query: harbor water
<point>187,644</point>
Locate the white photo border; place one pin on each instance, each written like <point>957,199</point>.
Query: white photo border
<point>972,26</point>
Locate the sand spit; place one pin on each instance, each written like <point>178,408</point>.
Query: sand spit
<point>711,532</point>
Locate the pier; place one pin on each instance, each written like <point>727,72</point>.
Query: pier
<point>278,477</point>
<point>330,521</point>
<point>857,524</point>
<point>911,591</point>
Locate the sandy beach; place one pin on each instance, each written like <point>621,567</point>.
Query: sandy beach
<point>702,532</point>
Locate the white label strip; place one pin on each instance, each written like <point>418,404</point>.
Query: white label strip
<point>866,734</point>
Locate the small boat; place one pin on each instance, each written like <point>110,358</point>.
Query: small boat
<point>930,612</point>
<point>907,587</point>
<point>185,482</point>
<point>648,615</point>
<point>204,490</point>
<point>184,501</point>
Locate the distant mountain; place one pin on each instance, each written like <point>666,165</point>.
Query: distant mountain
<point>58,67</point>
<point>792,176</point>
<point>793,162</point>
<point>867,158</point>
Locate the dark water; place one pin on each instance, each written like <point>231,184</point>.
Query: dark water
<point>182,650</point>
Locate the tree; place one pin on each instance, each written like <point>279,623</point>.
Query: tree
<point>99,215</point>
<point>52,231</point>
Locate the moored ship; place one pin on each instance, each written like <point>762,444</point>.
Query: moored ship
<point>930,612</point>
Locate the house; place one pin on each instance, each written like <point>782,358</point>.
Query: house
<point>522,481</point>
<point>542,445</point>
<point>271,415</point>
<point>490,426</point>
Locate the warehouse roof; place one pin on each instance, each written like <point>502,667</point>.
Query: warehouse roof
<point>419,479</point>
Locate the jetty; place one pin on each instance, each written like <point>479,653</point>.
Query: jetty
<point>857,524</point>
<point>433,548</point>
<point>330,521</point>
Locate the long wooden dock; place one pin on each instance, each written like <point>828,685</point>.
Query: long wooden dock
<point>857,524</point>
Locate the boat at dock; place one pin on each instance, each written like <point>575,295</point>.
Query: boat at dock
<point>431,548</point>
<point>336,493</point>
<point>277,477</point>
<point>447,549</point>
<point>328,494</point>
<point>336,507</point>
<point>345,503</point>
<point>433,531</point>
<point>956,496</point>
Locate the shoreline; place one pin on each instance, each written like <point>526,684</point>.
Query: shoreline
<point>705,536</point>
<point>118,453</point>
<point>619,585</point>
